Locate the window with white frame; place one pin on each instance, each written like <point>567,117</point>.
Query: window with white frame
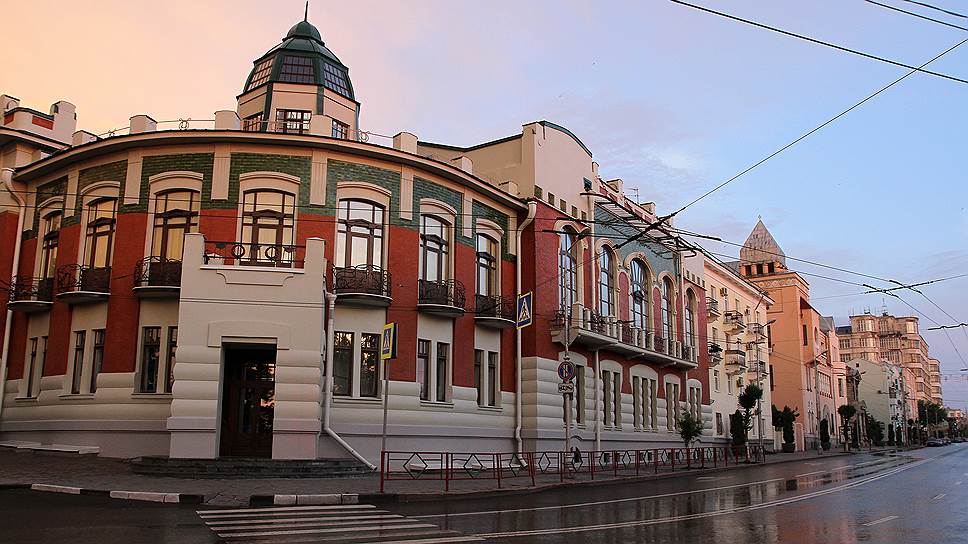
<point>567,269</point>
<point>97,357</point>
<point>99,233</point>
<point>606,282</point>
<point>359,234</point>
<point>48,255</point>
<point>433,371</point>
<point>716,380</point>
<point>640,294</point>
<point>487,378</point>
<point>668,294</point>
<point>434,249</point>
<point>78,364</point>
<point>176,214</point>
<point>689,319</point>
<point>487,266</point>
<point>30,369</point>
<point>268,227</point>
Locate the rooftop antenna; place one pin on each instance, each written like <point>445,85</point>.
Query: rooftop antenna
<point>306,14</point>
<point>636,191</point>
<point>883,307</point>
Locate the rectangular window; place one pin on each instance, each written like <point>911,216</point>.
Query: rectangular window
<point>478,368</point>
<point>443,368</point>
<point>370,365</point>
<point>579,399</point>
<point>79,338</point>
<point>297,70</point>
<point>261,74</point>
<point>637,402</point>
<point>493,387</point>
<point>293,121</point>
<point>31,370</point>
<point>170,358</point>
<point>423,368</point>
<point>606,397</point>
<point>719,423</point>
<point>253,123</point>
<point>97,356</point>
<point>617,400</point>
<point>334,79</point>
<point>804,335</point>
<point>715,380</point>
<point>551,199</point>
<point>43,362</point>
<point>340,130</point>
<point>150,353</point>
<point>672,406</point>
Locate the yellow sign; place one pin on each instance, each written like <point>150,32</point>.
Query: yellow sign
<point>388,344</point>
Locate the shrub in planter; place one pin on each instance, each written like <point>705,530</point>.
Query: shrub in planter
<point>825,434</point>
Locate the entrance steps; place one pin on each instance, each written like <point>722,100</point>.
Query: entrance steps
<point>244,467</point>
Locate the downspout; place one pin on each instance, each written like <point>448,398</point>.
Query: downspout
<point>6,176</point>
<point>328,390</point>
<point>532,210</point>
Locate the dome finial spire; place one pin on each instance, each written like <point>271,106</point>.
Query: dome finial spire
<point>306,14</point>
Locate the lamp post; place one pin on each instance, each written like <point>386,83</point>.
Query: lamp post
<point>759,383</point>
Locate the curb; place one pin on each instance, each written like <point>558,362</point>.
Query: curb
<point>307,500</point>
<point>147,496</point>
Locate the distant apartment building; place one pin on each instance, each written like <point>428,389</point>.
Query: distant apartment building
<point>800,338</point>
<point>882,393</point>
<point>895,340</point>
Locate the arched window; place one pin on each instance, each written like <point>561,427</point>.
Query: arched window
<point>567,270</point>
<point>668,292</point>
<point>48,256</point>
<point>689,319</point>
<point>487,266</point>
<point>359,234</point>
<point>606,282</point>
<point>639,291</point>
<point>268,222</point>
<point>434,249</point>
<point>100,232</point>
<point>176,214</point>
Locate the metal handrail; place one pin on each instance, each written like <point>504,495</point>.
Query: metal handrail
<point>370,280</point>
<point>497,306</point>
<point>33,289</point>
<point>252,254</point>
<point>442,293</point>
<point>76,277</point>
<point>157,272</point>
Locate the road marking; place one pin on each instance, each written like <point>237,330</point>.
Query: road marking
<point>769,504</point>
<point>959,482</point>
<point>813,464</point>
<point>938,497</point>
<point>205,513</point>
<point>630,499</point>
<point>706,478</point>
<point>276,521</point>
<point>355,530</point>
<point>877,521</point>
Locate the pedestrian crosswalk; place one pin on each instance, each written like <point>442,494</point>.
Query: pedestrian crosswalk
<point>337,524</point>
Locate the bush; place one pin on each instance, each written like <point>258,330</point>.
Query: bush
<point>825,434</point>
<point>737,428</point>
<point>890,434</point>
<point>789,418</point>
<point>690,428</point>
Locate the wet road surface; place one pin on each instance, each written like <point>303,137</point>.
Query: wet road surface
<point>916,497</point>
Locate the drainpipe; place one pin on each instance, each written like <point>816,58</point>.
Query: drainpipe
<point>328,390</point>
<point>6,176</point>
<point>532,210</point>
<point>598,372</point>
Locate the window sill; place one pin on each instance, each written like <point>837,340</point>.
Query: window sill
<point>493,409</point>
<point>357,400</point>
<point>166,396</point>
<point>77,396</point>
<point>25,400</point>
<point>442,405</point>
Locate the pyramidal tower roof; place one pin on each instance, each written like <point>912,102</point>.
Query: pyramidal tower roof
<point>760,247</point>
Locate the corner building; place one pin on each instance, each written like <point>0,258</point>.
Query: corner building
<point>220,291</point>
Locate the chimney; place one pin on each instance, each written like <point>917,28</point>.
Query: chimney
<point>142,123</point>
<point>320,125</point>
<point>82,137</point>
<point>8,102</point>
<point>405,141</point>
<point>227,120</point>
<point>65,120</point>
<point>464,163</point>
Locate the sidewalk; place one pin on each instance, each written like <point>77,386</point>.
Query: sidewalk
<point>77,474</point>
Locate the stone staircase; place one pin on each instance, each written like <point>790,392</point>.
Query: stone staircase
<point>240,467</point>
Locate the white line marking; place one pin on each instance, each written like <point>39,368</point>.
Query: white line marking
<point>435,540</point>
<point>700,515</point>
<point>345,525</point>
<point>938,497</point>
<point>813,464</point>
<point>220,524</point>
<point>629,499</point>
<point>325,531</point>
<point>56,488</point>
<point>287,509</point>
<point>877,521</point>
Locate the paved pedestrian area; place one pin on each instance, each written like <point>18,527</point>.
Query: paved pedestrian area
<point>18,467</point>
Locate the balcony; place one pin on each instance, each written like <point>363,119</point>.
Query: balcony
<point>362,285</point>
<point>157,277</point>
<point>758,330</point>
<point>252,254</point>
<point>734,323</point>
<point>445,298</point>
<point>79,284</point>
<point>735,360</point>
<point>592,331</point>
<point>715,353</point>
<point>495,312</point>
<point>29,295</point>
<point>712,308</point>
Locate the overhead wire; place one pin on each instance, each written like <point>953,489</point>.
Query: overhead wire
<point>918,15</point>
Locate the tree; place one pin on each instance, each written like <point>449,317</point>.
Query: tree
<point>788,417</point>
<point>825,434</point>
<point>777,419</point>
<point>890,434</point>
<point>690,428</point>
<point>875,430</point>
<point>846,412</point>
<point>737,428</point>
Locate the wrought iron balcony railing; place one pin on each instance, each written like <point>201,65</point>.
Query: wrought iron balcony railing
<point>252,254</point>
<point>158,272</point>
<point>441,293</point>
<point>30,289</point>
<point>361,279</point>
<point>495,306</point>
<point>79,278</point>
<point>712,307</point>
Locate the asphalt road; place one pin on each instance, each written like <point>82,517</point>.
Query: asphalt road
<point>918,497</point>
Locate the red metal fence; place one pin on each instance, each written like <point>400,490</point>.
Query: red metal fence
<point>448,467</point>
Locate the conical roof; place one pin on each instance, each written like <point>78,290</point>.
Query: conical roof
<point>761,247</point>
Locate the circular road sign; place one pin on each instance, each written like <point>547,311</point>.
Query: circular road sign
<point>566,371</point>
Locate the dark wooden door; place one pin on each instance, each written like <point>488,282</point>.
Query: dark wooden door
<point>248,402</point>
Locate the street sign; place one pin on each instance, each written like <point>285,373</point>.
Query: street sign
<point>525,316</point>
<point>566,371</point>
<point>566,387</point>
<point>388,344</point>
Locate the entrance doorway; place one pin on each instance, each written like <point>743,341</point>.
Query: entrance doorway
<point>248,401</point>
